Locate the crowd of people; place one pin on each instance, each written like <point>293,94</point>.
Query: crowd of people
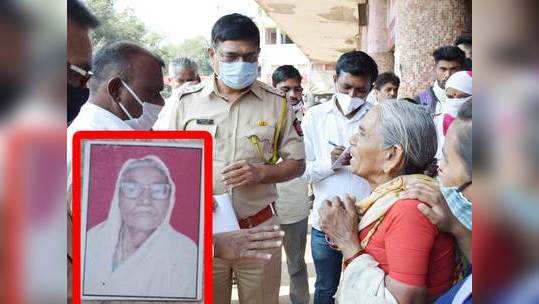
<point>385,181</point>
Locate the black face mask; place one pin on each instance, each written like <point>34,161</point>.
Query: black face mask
<point>76,97</point>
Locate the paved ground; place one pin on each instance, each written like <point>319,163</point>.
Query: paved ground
<point>285,284</point>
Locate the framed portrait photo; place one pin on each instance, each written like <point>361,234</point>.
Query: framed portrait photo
<point>143,213</point>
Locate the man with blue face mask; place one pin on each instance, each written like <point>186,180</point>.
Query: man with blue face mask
<point>253,128</point>
<point>449,204</point>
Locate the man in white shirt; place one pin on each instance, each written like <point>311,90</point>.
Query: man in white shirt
<point>327,129</point>
<point>293,206</point>
<point>126,80</point>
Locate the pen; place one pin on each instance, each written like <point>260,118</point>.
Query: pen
<point>332,143</point>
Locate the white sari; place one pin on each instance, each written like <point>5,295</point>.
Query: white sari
<point>165,265</point>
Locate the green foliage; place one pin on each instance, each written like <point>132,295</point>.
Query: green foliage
<point>115,25</point>
<point>196,49</point>
<point>125,25</point>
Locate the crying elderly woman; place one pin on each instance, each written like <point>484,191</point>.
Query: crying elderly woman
<point>391,251</point>
<point>135,252</point>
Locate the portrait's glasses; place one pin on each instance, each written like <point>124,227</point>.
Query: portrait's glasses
<point>135,190</point>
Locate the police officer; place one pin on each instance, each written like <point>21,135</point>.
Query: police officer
<point>252,128</point>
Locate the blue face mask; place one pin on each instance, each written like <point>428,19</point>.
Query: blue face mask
<point>238,75</point>
<point>460,206</point>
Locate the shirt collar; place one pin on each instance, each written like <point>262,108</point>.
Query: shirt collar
<point>94,114</point>
<point>332,106</point>
<point>211,87</point>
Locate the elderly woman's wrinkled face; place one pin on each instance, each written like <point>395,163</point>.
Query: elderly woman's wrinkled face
<point>451,167</point>
<point>367,147</point>
<point>144,198</point>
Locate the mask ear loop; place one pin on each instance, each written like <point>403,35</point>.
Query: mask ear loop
<point>128,88</point>
<point>464,186</point>
<point>125,110</point>
<point>132,93</point>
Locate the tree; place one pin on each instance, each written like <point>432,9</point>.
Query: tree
<point>116,25</point>
<point>195,49</point>
<point>125,25</point>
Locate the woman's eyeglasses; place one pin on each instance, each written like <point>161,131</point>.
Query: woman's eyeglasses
<point>135,190</point>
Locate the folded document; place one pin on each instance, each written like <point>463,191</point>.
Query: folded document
<point>224,217</point>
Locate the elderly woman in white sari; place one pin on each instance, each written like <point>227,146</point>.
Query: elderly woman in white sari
<point>135,252</point>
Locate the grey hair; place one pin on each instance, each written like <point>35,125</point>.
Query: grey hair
<point>182,64</point>
<point>411,127</point>
<point>116,60</point>
<point>464,116</point>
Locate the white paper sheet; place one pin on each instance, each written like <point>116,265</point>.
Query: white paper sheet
<point>224,217</point>
<point>338,162</point>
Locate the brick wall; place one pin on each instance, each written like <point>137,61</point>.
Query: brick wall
<point>421,27</point>
<point>385,61</point>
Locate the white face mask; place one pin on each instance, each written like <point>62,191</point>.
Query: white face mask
<point>451,106</point>
<point>347,102</point>
<point>150,112</point>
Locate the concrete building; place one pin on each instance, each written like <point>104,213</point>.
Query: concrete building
<point>400,34</point>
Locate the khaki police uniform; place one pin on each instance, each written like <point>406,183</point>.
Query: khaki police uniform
<point>234,125</point>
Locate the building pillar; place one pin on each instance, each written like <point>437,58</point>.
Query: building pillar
<point>377,44</point>
<point>421,27</point>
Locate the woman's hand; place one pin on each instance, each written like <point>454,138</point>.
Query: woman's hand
<point>435,208</point>
<point>433,205</point>
<point>339,220</point>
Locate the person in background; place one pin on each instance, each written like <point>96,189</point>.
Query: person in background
<point>327,129</point>
<point>395,254</point>
<point>448,60</point>
<point>458,89</point>
<point>184,73</point>
<point>386,87</point>
<point>80,21</point>
<point>293,204</point>
<point>448,204</point>
<point>182,70</point>
<point>464,42</point>
<point>78,56</point>
<point>243,114</point>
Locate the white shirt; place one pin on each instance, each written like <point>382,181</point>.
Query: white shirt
<point>321,124</point>
<point>90,118</point>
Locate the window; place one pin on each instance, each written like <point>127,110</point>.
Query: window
<point>271,36</point>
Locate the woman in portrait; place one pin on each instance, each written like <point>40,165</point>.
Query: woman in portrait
<point>135,252</point>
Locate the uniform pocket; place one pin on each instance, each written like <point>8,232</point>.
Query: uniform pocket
<point>257,142</point>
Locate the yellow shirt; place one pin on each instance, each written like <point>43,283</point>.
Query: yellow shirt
<point>231,124</point>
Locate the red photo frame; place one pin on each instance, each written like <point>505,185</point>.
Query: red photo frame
<point>129,135</point>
